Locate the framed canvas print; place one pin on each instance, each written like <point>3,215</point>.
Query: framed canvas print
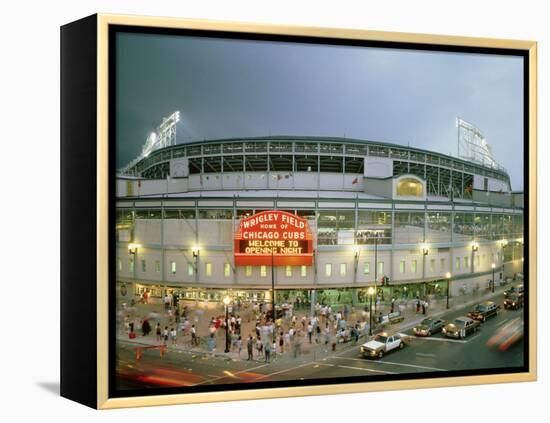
<point>253,211</point>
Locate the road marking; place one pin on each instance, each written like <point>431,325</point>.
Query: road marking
<point>221,377</point>
<point>365,369</point>
<point>391,363</point>
<point>287,370</point>
<point>441,340</point>
<point>501,323</point>
<point>414,366</point>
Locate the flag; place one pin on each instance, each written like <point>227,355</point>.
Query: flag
<point>355,181</point>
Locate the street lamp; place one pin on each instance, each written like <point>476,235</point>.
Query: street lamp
<point>195,250</point>
<point>132,248</point>
<point>226,301</point>
<point>376,232</point>
<point>132,251</point>
<point>503,244</point>
<point>370,292</point>
<point>475,247</point>
<point>356,252</point>
<point>425,252</point>
<point>493,265</point>
<point>448,276</point>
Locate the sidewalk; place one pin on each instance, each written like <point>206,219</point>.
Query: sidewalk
<point>202,315</point>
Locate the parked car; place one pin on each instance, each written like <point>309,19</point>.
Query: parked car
<point>460,327</point>
<point>514,289</point>
<point>428,327</point>
<point>484,310</point>
<point>382,344</point>
<point>513,301</point>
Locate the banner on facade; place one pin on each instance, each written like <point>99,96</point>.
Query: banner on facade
<point>274,238</point>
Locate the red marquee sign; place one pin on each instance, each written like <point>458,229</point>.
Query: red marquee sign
<point>273,237</point>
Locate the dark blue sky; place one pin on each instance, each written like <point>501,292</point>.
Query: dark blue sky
<point>236,88</point>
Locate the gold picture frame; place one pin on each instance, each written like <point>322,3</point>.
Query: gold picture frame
<point>97,34</point>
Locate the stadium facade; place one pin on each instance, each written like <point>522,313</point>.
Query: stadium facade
<point>410,222</point>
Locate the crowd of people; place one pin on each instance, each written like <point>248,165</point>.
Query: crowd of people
<point>253,326</point>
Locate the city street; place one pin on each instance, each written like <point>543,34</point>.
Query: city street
<point>421,355</point>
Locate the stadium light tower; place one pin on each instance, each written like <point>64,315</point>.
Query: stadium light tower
<point>163,136</point>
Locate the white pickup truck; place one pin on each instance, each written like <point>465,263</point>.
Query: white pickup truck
<point>383,343</point>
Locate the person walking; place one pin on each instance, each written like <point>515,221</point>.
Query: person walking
<point>250,347</point>
<point>267,350</point>
<point>173,335</point>
<point>239,345</point>
<point>424,308</point>
<point>145,327</point>
<point>317,334</point>
<point>194,340</point>
<point>159,332</point>
<point>259,346</point>
<point>333,341</point>
<point>282,342</point>
<point>165,336</point>
<point>309,331</point>
<point>327,334</point>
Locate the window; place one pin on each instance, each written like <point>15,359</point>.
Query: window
<point>190,269</point>
<point>466,262</point>
<point>328,269</point>
<point>432,265</point>
<point>248,271</point>
<point>143,266</point>
<point>157,266</point>
<point>208,269</point>
<point>227,270</point>
<point>413,266</point>
<point>263,271</point>
<point>288,271</point>
<point>380,268</point>
<point>457,263</point>
<point>442,263</point>
<point>402,266</point>
<point>131,263</point>
<point>303,271</point>
<point>173,267</point>
<point>343,269</point>
<point>366,268</point>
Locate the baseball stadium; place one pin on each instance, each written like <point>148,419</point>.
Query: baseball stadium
<point>313,219</point>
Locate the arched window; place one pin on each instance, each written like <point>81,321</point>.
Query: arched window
<point>409,187</point>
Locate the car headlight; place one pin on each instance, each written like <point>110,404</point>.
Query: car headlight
<point>444,330</point>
